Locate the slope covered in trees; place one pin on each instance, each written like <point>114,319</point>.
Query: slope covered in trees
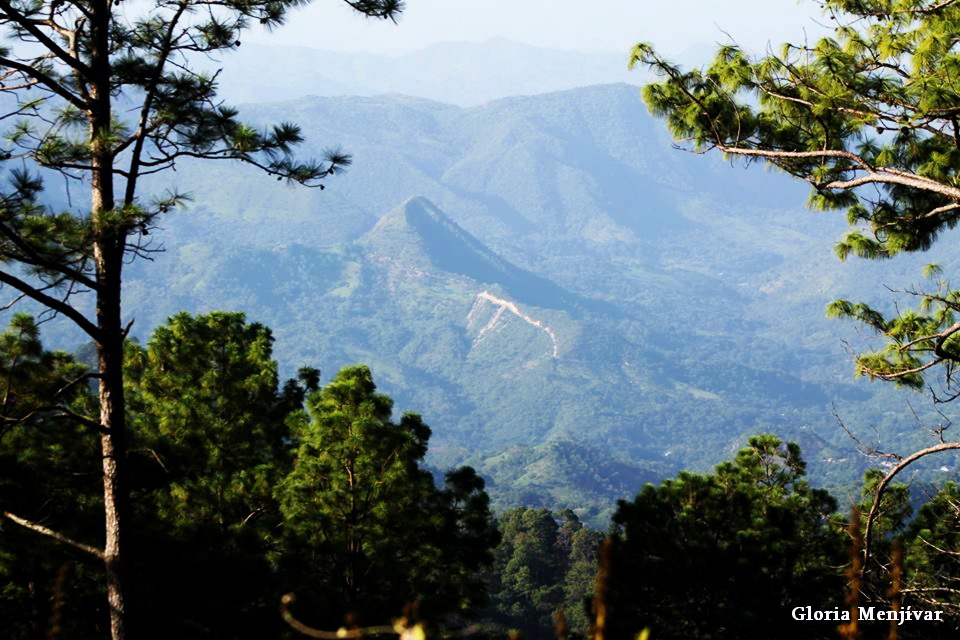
<point>238,496</point>
<point>621,246</point>
<point>248,489</point>
<point>102,97</point>
<point>638,236</point>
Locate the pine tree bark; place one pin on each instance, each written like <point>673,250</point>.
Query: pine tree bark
<point>108,251</point>
<point>114,451</point>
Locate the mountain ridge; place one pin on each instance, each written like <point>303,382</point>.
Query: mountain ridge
<point>462,73</point>
<point>447,246</point>
<point>711,326</point>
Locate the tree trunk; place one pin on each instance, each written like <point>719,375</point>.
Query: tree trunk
<point>108,254</point>
<point>114,450</point>
<point>109,244</point>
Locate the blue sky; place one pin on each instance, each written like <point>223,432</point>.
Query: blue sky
<point>597,25</point>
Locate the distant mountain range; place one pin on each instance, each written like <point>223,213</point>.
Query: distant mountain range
<point>460,73</point>
<point>575,307</point>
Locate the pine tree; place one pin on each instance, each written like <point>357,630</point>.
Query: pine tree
<point>545,562</point>
<point>727,555</point>
<point>366,525</point>
<point>868,118</point>
<point>105,94</point>
<point>580,579</point>
<point>209,417</point>
<point>209,439</point>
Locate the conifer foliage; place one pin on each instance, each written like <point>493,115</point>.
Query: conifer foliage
<point>104,94</point>
<point>729,554</point>
<point>867,117</point>
<point>208,444</point>
<point>241,494</point>
<point>208,418</point>
<point>546,562</point>
<point>378,533</point>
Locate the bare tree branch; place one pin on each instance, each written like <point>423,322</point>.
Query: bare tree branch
<point>39,528</point>
<point>885,482</point>
<point>31,27</point>
<point>55,304</point>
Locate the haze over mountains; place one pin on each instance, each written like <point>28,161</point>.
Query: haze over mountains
<point>460,73</point>
<point>559,292</point>
<point>573,305</point>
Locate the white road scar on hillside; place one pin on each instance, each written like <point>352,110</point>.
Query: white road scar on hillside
<point>505,305</point>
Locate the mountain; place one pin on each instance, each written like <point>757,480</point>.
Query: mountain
<point>419,231</point>
<point>548,282</point>
<point>460,73</point>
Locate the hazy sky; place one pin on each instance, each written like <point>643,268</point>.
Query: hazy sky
<point>594,25</point>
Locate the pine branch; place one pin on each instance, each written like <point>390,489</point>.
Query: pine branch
<point>945,335</point>
<point>39,528</point>
<point>57,412</point>
<point>885,482</point>
<point>55,304</point>
<point>14,16</point>
<point>896,375</point>
<point>44,79</point>
<point>32,257</point>
<point>882,175</point>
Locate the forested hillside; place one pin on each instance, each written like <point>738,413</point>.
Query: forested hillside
<point>675,289</point>
<point>515,270</point>
<point>515,369</point>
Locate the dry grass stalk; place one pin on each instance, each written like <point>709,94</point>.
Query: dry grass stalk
<point>56,608</point>
<point>850,630</point>
<point>896,584</point>
<point>600,592</point>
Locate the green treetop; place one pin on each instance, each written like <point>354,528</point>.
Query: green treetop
<point>727,555</point>
<point>105,94</point>
<point>377,531</point>
<point>209,441</point>
<point>546,562</point>
<point>209,418</point>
